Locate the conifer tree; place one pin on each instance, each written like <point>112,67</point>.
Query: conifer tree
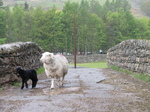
<point>26,6</point>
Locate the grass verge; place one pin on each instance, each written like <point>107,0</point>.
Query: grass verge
<point>140,76</point>
<point>40,70</point>
<point>16,84</point>
<point>92,65</point>
<point>1,89</point>
<point>88,65</point>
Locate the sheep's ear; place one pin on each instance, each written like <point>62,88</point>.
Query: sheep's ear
<point>50,54</point>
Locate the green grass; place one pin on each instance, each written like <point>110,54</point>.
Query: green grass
<point>1,89</point>
<point>140,76</point>
<point>16,84</point>
<point>92,65</point>
<point>88,65</point>
<point>39,71</point>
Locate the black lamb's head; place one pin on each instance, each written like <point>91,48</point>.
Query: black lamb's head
<point>18,71</point>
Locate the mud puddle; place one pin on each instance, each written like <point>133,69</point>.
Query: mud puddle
<point>84,90</point>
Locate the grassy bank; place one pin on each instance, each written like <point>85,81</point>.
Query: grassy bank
<point>141,76</point>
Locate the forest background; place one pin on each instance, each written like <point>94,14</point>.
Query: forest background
<point>98,26</point>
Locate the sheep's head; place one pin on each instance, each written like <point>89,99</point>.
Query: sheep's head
<point>46,57</point>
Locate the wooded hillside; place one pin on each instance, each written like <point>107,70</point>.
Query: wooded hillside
<point>138,7</point>
<point>97,26</point>
<point>45,4</point>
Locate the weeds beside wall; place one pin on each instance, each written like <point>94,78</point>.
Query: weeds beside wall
<point>133,55</point>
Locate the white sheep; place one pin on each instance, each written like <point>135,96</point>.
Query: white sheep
<point>56,66</point>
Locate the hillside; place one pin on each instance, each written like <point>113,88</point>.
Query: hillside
<point>45,4</point>
<point>139,8</point>
<point>145,6</point>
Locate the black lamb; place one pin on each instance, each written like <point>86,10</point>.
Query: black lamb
<point>26,75</point>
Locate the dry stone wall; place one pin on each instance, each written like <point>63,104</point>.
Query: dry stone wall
<point>25,54</point>
<point>133,55</point>
<point>87,58</point>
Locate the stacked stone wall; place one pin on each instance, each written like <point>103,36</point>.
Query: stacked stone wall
<point>133,55</point>
<point>87,58</point>
<point>24,54</point>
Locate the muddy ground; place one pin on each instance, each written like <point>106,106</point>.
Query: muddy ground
<point>84,90</point>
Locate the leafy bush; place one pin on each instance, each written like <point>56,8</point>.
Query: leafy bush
<point>2,41</point>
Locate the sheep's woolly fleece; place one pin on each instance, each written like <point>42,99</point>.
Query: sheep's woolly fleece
<point>56,66</point>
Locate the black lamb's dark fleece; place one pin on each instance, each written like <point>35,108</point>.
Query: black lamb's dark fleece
<point>26,75</point>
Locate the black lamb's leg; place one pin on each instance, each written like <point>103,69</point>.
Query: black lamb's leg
<point>33,83</point>
<point>26,84</point>
<point>22,84</point>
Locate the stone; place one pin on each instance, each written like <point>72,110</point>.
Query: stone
<point>12,55</point>
<point>133,55</point>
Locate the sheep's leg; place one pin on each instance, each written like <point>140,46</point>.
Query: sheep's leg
<point>62,82</point>
<point>52,83</point>
<point>63,79</point>
<point>58,81</point>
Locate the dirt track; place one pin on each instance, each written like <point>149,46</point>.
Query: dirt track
<point>85,90</point>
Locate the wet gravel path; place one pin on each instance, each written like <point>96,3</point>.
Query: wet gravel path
<point>85,90</point>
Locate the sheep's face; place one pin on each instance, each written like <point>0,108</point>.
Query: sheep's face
<point>46,57</point>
